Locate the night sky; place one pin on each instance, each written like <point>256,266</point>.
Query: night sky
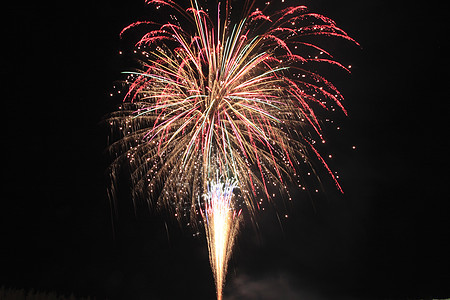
<point>386,237</point>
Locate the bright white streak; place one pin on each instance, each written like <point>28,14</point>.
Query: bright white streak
<point>221,223</point>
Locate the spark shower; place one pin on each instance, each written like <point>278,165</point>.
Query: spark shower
<point>223,112</point>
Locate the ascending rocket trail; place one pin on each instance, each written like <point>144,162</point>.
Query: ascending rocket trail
<point>221,225</point>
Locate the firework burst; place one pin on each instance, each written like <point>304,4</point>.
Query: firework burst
<point>223,107</point>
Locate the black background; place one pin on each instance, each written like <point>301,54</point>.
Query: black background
<point>387,237</point>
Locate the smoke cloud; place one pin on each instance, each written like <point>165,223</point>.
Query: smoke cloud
<point>268,287</point>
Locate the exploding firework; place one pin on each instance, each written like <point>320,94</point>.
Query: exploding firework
<point>220,113</point>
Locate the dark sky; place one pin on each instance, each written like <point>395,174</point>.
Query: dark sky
<point>387,237</point>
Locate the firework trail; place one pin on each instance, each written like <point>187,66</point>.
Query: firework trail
<point>221,224</point>
<point>220,113</point>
